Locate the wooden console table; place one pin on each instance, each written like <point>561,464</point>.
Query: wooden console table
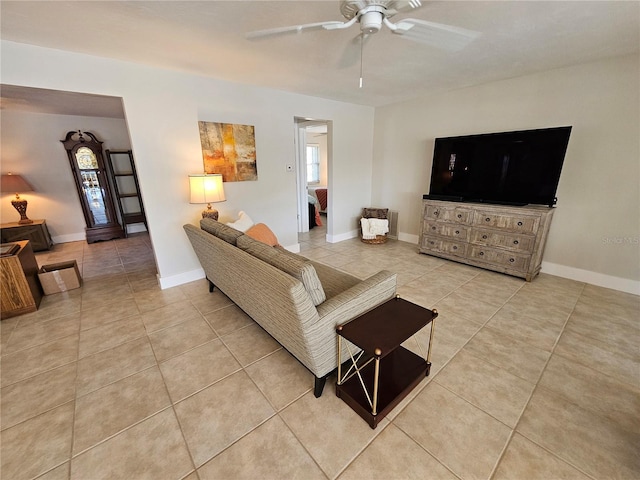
<point>36,232</point>
<point>20,290</point>
<point>384,372</point>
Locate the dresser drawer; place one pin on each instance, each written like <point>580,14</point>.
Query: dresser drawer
<point>451,230</point>
<point>448,214</point>
<point>511,260</point>
<point>443,245</point>
<point>512,241</point>
<point>517,223</point>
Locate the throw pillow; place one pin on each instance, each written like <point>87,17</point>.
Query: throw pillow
<point>263,234</point>
<point>243,223</point>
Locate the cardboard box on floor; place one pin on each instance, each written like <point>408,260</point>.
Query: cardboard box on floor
<point>59,277</point>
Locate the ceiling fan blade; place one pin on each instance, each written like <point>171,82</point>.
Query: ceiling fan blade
<point>291,29</point>
<point>403,6</point>
<point>434,34</point>
<point>339,25</point>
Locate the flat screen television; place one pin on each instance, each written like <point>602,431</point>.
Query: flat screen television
<point>512,168</point>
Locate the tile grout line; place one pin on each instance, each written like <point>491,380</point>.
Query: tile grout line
<point>172,405</point>
<point>434,378</point>
<point>278,412</point>
<point>458,350</point>
<point>528,402</point>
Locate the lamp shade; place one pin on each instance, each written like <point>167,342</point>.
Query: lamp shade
<point>11,183</point>
<point>206,188</point>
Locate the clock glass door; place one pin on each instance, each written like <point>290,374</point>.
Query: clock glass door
<point>92,177</point>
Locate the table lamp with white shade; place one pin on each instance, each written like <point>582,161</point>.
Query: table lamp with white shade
<point>207,188</point>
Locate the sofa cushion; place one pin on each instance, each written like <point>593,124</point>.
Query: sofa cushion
<point>302,270</point>
<point>220,230</point>
<point>333,281</point>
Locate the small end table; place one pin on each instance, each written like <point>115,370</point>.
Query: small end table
<point>383,372</point>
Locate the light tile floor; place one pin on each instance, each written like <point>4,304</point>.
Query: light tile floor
<point>119,379</point>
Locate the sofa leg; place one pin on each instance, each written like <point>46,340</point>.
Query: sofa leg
<point>211,286</point>
<point>319,386</point>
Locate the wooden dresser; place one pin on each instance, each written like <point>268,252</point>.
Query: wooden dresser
<point>20,290</point>
<point>505,239</point>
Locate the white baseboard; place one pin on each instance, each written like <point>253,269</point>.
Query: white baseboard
<point>71,237</point>
<point>406,237</point>
<point>586,276</point>
<point>82,236</point>
<point>180,279</point>
<point>342,236</point>
<point>593,278</point>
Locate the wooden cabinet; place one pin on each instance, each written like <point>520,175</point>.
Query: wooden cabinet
<point>505,239</point>
<point>36,232</point>
<point>20,290</point>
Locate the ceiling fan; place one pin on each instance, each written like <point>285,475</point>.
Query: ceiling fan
<point>373,14</point>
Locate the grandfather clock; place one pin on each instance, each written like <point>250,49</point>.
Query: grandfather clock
<point>91,180</point>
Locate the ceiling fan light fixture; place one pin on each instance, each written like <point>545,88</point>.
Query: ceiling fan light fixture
<point>371,22</point>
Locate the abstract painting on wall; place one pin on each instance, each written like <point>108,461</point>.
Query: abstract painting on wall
<point>230,150</point>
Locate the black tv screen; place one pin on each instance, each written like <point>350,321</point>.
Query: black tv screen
<point>513,168</point>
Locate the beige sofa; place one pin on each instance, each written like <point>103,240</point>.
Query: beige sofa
<point>297,301</point>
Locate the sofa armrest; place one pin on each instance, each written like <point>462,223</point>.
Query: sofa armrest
<point>320,335</point>
<point>358,299</point>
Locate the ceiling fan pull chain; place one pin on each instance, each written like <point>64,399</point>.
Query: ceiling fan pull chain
<point>361,54</point>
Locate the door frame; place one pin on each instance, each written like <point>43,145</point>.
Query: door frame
<point>300,140</point>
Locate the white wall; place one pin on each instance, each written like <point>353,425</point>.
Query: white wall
<point>163,109</point>
<point>596,226</point>
<point>31,147</point>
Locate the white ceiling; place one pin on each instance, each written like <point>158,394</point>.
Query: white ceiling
<point>207,38</point>
<point>40,100</point>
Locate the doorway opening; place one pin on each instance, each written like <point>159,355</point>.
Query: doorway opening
<point>313,159</point>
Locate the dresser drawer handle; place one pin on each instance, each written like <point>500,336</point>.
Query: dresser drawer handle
<point>519,224</point>
<point>433,227</point>
<point>455,247</point>
<point>516,242</point>
<point>459,215</point>
<point>512,260</point>
<point>481,254</point>
<point>436,213</point>
<point>487,219</point>
<point>457,232</point>
<point>432,242</point>
<point>484,237</point>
